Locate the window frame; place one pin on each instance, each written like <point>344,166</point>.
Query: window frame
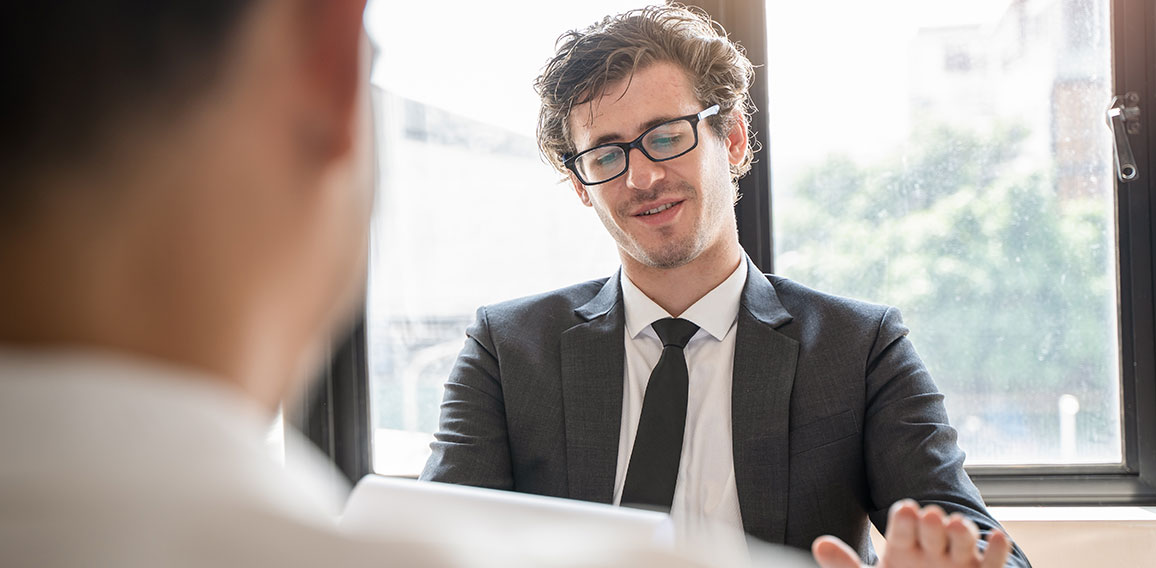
<point>336,414</point>
<point>1133,482</point>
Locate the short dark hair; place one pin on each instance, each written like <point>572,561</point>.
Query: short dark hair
<point>587,61</point>
<point>73,70</point>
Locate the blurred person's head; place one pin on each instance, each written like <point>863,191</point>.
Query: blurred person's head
<point>186,180</point>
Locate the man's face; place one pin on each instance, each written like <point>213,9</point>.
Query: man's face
<point>665,214</point>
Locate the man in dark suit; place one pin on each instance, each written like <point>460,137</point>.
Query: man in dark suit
<point>689,381</point>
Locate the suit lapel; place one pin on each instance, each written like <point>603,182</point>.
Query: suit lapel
<point>592,388</point>
<point>764,374</point>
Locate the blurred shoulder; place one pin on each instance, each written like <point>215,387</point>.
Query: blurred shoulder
<point>808,304</point>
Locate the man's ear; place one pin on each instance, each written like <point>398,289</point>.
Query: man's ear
<point>333,69</point>
<point>580,189</point>
<point>736,140</point>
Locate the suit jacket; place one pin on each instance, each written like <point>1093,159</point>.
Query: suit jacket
<point>834,416</point>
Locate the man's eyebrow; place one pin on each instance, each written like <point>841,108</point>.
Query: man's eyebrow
<point>614,136</point>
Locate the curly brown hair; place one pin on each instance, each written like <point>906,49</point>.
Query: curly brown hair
<point>588,61</point>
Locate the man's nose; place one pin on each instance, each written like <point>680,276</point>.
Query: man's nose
<point>643,173</point>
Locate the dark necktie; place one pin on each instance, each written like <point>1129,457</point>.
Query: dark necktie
<point>653,469</point>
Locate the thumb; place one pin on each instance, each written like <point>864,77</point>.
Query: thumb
<point>830,552</point>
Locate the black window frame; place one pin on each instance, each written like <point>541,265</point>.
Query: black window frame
<point>1133,24</point>
<point>336,414</point>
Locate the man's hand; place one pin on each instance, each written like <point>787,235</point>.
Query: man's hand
<point>921,538</point>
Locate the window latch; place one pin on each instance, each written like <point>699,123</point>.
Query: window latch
<point>1124,118</point>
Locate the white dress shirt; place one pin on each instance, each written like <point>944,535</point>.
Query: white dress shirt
<point>112,461</point>
<point>705,496</point>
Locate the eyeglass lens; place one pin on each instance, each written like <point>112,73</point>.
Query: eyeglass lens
<point>666,141</point>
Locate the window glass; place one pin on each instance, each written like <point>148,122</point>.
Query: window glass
<point>951,158</point>
<point>467,212</point>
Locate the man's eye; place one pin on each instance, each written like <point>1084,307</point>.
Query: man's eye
<point>607,159</point>
<point>666,141</point>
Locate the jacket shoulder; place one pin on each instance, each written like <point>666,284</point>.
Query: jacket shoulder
<point>807,304</point>
<point>541,310</point>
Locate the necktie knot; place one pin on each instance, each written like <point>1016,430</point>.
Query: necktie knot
<point>674,332</point>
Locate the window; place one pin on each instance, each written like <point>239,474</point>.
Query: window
<point>982,199</point>
<point>969,182</point>
<point>463,196</point>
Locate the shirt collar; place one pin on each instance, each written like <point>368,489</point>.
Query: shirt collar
<point>713,313</point>
<point>146,407</point>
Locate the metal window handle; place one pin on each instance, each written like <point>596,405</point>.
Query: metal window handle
<point>1124,118</point>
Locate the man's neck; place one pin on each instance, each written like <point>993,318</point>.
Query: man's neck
<point>73,292</point>
<point>676,289</point>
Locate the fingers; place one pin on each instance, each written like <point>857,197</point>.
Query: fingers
<point>830,552</point>
<point>998,548</point>
<point>902,523</point>
<point>932,534</point>
<point>928,536</point>
<point>962,535</point>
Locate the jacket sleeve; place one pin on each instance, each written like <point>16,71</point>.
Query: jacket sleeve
<point>909,447</point>
<point>471,446</point>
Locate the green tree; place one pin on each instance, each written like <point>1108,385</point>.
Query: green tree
<point>1008,288</point>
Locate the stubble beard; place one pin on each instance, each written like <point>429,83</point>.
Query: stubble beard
<point>672,252</point>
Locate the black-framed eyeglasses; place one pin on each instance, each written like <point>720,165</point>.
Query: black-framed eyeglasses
<point>666,141</point>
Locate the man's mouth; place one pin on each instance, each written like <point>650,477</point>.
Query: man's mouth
<point>659,209</point>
